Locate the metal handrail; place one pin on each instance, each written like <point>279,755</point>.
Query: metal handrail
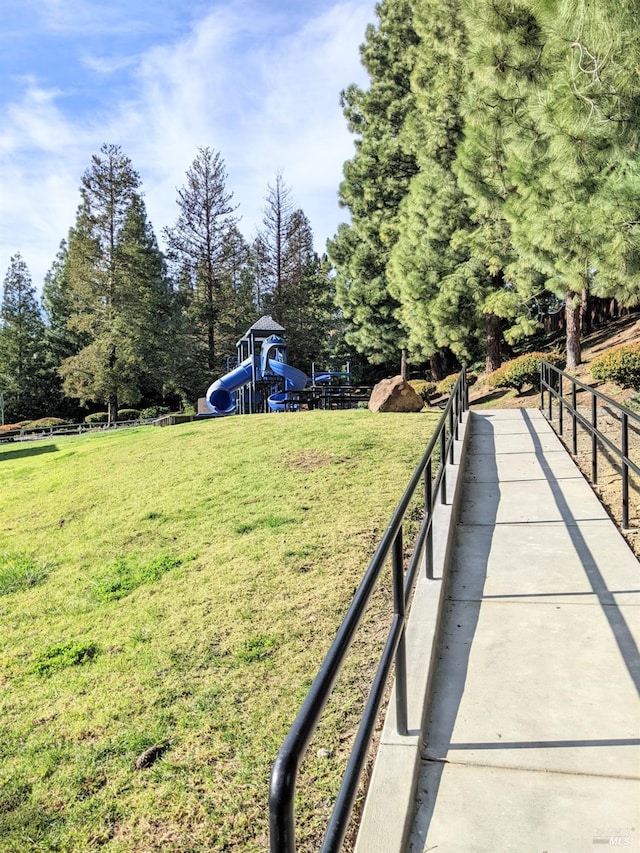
<point>555,390</point>
<point>287,764</point>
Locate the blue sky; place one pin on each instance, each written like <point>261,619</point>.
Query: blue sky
<point>257,80</point>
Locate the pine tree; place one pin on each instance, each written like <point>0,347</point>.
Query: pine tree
<point>551,131</point>
<point>147,315</point>
<point>238,291</point>
<point>115,276</point>
<point>295,287</point>
<point>60,341</point>
<point>198,245</point>
<point>439,284</point>
<point>274,256</point>
<point>574,209</point>
<point>504,68</point>
<point>375,182</point>
<point>22,374</point>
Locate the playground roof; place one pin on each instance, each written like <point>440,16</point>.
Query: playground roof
<point>264,324</point>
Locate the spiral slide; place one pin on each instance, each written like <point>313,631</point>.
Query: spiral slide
<point>294,380</point>
<point>219,396</point>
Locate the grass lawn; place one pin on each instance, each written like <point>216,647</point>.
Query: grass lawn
<point>166,597</point>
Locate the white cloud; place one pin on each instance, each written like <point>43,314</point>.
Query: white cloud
<point>266,98</point>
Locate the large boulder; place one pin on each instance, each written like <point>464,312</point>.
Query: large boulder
<point>395,395</point>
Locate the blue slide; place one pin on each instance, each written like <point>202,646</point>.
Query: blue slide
<point>294,380</point>
<point>219,395</point>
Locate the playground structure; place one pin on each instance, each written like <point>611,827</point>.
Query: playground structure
<point>259,379</point>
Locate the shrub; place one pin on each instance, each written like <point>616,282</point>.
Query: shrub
<point>128,414</point>
<point>154,411</point>
<point>423,388</point>
<point>45,422</point>
<point>620,365</point>
<point>97,418</point>
<point>445,385</point>
<point>524,370</point>
<point>9,427</point>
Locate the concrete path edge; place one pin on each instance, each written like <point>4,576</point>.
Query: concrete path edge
<point>388,810</point>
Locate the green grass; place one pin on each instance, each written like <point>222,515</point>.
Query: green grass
<point>175,591</point>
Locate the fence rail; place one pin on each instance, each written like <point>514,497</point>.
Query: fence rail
<point>25,433</point>
<point>287,765</point>
<point>552,382</point>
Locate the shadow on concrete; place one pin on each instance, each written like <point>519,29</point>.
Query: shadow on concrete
<point>464,593</point>
<point>617,623</point>
<point>29,450</point>
<point>547,744</point>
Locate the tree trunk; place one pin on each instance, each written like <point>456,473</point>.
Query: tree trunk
<point>437,372</point>
<point>573,310</point>
<point>112,409</point>
<point>112,400</point>
<point>404,366</point>
<point>585,312</point>
<point>494,343</point>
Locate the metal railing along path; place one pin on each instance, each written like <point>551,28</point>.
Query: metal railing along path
<point>552,382</point>
<point>286,767</point>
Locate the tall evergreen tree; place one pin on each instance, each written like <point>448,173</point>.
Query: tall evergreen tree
<point>114,272</point>
<point>551,127</point>
<point>60,340</point>
<point>375,182</point>
<point>296,288</point>
<point>148,322</point>
<point>575,205</point>
<point>439,282</point>
<point>238,291</point>
<point>274,238</point>
<point>504,68</point>
<point>22,375</point>
<point>198,246</point>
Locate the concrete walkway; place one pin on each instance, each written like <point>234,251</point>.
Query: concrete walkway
<point>533,735</point>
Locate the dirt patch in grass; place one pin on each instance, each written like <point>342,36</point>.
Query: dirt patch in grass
<point>310,460</point>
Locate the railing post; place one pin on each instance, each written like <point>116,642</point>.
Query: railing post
<point>574,403</point>
<point>594,439</point>
<point>401,652</point>
<point>443,462</point>
<point>428,509</point>
<point>451,433</point>
<point>282,832</point>
<point>560,404</point>
<point>625,470</point>
<point>542,381</point>
<point>550,383</point>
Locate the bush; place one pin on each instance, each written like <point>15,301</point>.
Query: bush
<point>524,370</point>
<point>128,414</point>
<point>445,385</point>
<point>46,422</point>
<point>154,411</point>
<point>17,425</point>
<point>97,418</point>
<point>620,365</point>
<point>423,388</point>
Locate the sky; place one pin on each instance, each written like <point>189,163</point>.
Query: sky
<point>258,81</point>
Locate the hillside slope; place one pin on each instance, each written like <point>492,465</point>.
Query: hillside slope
<point>166,597</point>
